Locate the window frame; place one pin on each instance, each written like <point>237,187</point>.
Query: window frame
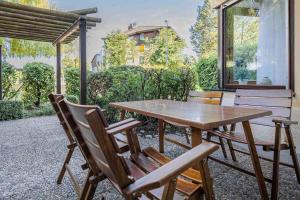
<point>222,50</point>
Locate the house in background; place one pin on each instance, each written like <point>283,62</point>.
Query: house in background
<point>98,62</point>
<point>259,44</point>
<point>141,34</point>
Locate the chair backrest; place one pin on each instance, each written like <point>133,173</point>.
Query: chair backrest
<point>91,128</point>
<point>207,97</point>
<point>54,99</point>
<point>277,101</point>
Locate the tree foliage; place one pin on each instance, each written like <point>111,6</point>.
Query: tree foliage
<point>155,54</point>
<point>9,80</point>
<point>207,69</point>
<point>204,32</point>
<point>115,45</point>
<point>38,82</point>
<point>72,79</point>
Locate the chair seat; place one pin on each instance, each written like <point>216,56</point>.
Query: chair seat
<point>188,184</point>
<point>242,139</point>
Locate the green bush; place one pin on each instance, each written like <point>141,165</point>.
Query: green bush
<point>72,98</point>
<point>43,110</point>
<point>9,80</point>
<point>129,83</point>
<point>72,79</point>
<point>207,69</point>
<point>38,82</point>
<point>11,110</point>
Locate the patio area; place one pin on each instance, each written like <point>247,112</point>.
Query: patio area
<point>32,151</point>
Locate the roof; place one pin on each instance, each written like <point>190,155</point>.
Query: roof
<point>38,24</point>
<point>143,29</point>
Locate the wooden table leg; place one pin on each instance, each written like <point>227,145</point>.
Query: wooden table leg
<point>161,136</point>
<point>196,136</point>
<point>255,160</point>
<point>122,114</point>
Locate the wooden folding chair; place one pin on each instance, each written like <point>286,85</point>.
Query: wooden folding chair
<point>207,97</point>
<point>280,103</point>
<point>65,119</point>
<point>140,176</point>
<point>54,98</point>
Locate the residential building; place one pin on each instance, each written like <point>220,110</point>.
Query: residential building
<point>141,34</point>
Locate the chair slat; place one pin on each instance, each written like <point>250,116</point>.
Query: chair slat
<point>276,111</point>
<point>265,93</point>
<point>267,102</point>
<point>206,94</point>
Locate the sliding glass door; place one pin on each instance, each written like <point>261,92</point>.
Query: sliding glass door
<point>256,43</point>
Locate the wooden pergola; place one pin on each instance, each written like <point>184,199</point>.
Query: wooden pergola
<point>46,25</point>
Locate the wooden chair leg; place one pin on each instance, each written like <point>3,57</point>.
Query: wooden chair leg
<point>186,136</point>
<point>207,180</point>
<point>63,169</point>
<point>223,147</point>
<point>169,190</point>
<point>275,177</point>
<point>293,152</point>
<point>229,142</point>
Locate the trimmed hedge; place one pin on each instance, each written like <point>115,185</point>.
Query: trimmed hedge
<point>130,83</point>
<point>11,110</point>
<point>72,79</point>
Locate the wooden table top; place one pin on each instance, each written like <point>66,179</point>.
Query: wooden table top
<point>196,115</point>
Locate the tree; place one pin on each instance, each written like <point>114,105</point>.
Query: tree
<point>38,82</point>
<point>115,45</point>
<point>155,53</point>
<point>9,80</point>
<point>21,48</point>
<point>204,33</point>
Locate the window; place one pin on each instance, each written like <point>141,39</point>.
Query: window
<point>256,44</point>
<point>142,37</point>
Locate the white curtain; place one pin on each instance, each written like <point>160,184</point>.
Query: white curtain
<point>273,45</point>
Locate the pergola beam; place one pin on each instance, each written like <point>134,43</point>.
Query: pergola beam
<point>85,11</point>
<point>82,50</point>
<point>46,11</point>
<point>74,28</point>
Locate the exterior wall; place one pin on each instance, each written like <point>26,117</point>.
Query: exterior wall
<point>297,53</point>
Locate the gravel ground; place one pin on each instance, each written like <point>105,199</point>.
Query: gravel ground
<point>32,151</point>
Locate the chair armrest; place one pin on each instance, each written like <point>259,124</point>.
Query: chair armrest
<point>124,127</point>
<point>120,123</point>
<point>172,169</point>
<point>285,121</point>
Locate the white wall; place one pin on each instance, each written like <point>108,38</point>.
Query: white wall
<point>297,51</point>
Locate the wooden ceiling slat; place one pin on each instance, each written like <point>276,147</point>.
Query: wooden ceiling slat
<point>50,12</point>
<point>31,23</point>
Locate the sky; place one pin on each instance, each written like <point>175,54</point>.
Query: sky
<point>118,14</point>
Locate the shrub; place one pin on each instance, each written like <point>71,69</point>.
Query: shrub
<point>11,110</point>
<point>129,83</point>
<point>43,110</point>
<point>207,69</point>
<point>38,82</point>
<point>9,80</point>
<point>72,79</point>
<point>72,98</point>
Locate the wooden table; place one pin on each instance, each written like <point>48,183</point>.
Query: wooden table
<point>200,117</point>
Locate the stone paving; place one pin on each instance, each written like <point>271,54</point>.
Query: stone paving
<point>32,151</point>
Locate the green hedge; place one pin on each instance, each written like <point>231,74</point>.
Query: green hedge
<point>11,110</point>
<point>129,83</point>
<point>207,69</point>
<point>72,79</point>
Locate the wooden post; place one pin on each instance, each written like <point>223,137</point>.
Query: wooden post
<point>82,47</point>
<point>58,68</point>
<point>0,72</point>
